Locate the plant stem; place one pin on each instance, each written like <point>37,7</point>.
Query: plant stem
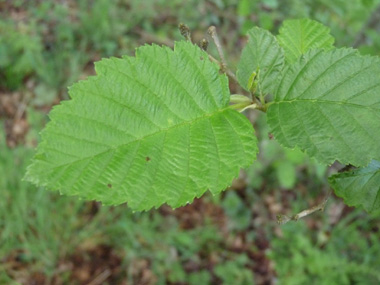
<point>262,99</point>
<point>212,32</point>
<point>283,219</point>
<point>240,107</point>
<point>226,70</point>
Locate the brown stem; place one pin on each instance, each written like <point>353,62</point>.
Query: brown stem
<point>227,71</point>
<point>212,32</point>
<point>283,219</point>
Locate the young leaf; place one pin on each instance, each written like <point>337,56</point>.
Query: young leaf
<point>262,55</point>
<point>360,187</point>
<point>299,36</point>
<point>147,130</point>
<point>328,103</point>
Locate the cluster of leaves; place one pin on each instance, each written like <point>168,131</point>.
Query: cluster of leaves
<point>158,128</point>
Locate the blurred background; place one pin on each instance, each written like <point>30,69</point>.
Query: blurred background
<point>232,238</point>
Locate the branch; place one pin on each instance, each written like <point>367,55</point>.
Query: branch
<point>186,33</point>
<point>283,219</point>
<point>212,32</point>
<point>226,70</point>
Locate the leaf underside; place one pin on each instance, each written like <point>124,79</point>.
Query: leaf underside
<point>328,103</point>
<point>300,35</point>
<point>359,188</point>
<point>147,130</point>
<point>262,50</point>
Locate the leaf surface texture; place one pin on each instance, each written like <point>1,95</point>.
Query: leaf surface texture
<point>261,51</point>
<point>328,103</point>
<point>300,35</point>
<point>360,187</point>
<point>147,130</point>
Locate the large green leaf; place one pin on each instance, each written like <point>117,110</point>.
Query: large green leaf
<point>328,103</point>
<point>360,187</point>
<point>264,54</point>
<point>299,36</point>
<point>146,130</point>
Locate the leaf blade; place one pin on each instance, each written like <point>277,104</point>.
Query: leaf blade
<point>360,187</point>
<point>328,104</point>
<point>297,36</point>
<point>145,130</point>
<point>261,51</point>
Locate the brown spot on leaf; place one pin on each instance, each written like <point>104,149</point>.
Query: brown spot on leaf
<point>109,185</point>
<point>147,158</point>
<point>201,57</point>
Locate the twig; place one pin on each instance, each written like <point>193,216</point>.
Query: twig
<point>224,68</point>
<point>186,33</point>
<point>212,32</point>
<point>227,71</point>
<point>101,277</point>
<point>283,219</point>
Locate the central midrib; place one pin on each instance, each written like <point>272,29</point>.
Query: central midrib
<point>206,116</point>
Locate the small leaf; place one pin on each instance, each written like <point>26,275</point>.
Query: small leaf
<point>299,36</point>
<point>261,55</point>
<point>360,187</point>
<point>252,82</point>
<point>147,130</point>
<point>328,103</point>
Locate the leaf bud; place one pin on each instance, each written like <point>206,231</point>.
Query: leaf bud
<point>185,31</point>
<point>203,44</point>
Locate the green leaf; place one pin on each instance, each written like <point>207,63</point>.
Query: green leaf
<point>328,103</point>
<point>360,187</point>
<point>299,36</point>
<point>147,130</point>
<point>262,55</point>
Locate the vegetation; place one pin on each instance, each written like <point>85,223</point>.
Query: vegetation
<point>232,237</point>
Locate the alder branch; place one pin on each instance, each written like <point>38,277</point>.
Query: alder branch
<point>186,33</point>
<point>226,70</point>
<point>283,219</point>
<point>212,32</point>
